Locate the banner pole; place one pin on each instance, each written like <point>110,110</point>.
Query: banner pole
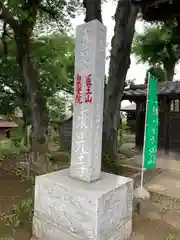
<point>145,126</point>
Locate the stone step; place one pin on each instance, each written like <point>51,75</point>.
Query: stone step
<point>167,183</point>
<point>162,202</point>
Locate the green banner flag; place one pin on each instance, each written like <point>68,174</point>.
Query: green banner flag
<point>151,125</point>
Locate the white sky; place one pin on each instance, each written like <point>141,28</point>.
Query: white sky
<point>136,71</point>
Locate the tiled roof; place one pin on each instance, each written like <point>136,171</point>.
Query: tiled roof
<point>166,88</point>
<point>7,124</point>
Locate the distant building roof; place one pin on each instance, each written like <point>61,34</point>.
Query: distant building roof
<point>7,124</point>
<point>164,89</point>
<point>131,107</point>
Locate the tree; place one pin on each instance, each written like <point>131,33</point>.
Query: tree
<point>157,72</point>
<point>125,18</point>
<point>93,10</point>
<point>54,57</point>
<point>7,102</point>
<point>57,105</point>
<point>159,45</point>
<point>22,17</point>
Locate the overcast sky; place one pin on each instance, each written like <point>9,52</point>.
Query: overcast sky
<point>136,71</point>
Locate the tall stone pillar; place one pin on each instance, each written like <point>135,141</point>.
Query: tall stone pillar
<point>88,101</point>
<point>83,203</point>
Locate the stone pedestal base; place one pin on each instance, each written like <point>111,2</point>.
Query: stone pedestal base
<point>68,209</point>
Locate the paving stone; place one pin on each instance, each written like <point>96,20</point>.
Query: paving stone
<point>137,236</point>
<point>173,218</point>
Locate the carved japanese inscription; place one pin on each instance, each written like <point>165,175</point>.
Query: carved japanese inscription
<point>88,101</point>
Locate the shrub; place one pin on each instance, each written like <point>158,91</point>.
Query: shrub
<point>123,129</point>
<point>56,139</point>
<point>56,156</point>
<point>16,141</point>
<point>19,215</point>
<point>110,166</point>
<point>172,237</point>
<point>10,149</point>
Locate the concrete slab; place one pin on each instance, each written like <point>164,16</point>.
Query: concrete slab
<point>150,210</point>
<point>173,218</point>
<point>137,236</point>
<point>146,229</point>
<point>166,183</point>
<point>168,162</point>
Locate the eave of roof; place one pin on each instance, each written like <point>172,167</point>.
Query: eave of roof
<point>165,88</point>
<point>7,124</point>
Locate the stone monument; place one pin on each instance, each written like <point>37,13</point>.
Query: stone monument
<point>83,203</point>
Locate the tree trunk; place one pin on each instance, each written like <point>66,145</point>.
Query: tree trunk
<point>169,68</point>
<point>93,10</point>
<point>125,18</point>
<point>27,121</point>
<point>25,135</point>
<point>36,101</point>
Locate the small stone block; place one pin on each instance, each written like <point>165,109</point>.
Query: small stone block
<point>69,209</point>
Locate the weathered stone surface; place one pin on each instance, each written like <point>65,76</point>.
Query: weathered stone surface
<point>141,193</point>
<point>54,233</point>
<point>88,101</point>
<point>150,210</point>
<point>81,210</point>
<point>137,236</point>
<point>173,218</point>
<point>81,202</point>
<point>123,233</point>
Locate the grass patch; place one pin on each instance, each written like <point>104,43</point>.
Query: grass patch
<point>172,237</point>
<point>20,215</point>
<point>8,148</point>
<point>58,156</point>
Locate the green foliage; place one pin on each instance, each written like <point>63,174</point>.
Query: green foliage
<point>16,141</point>
<point>5,152</point>
<point>172,237</point>
<point>157,72</point>
<point>109,165</point>
<point>122,130</point>
<point>124,126</point>
<point>56,15</point>
<point>34,83</point>
<point>57,156</point>
<point>8,148</point>
<point>158,45</point>
<point>53,56</point>
<point>57,107</point>
<point>20,214</point>
<point>52,14</point>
